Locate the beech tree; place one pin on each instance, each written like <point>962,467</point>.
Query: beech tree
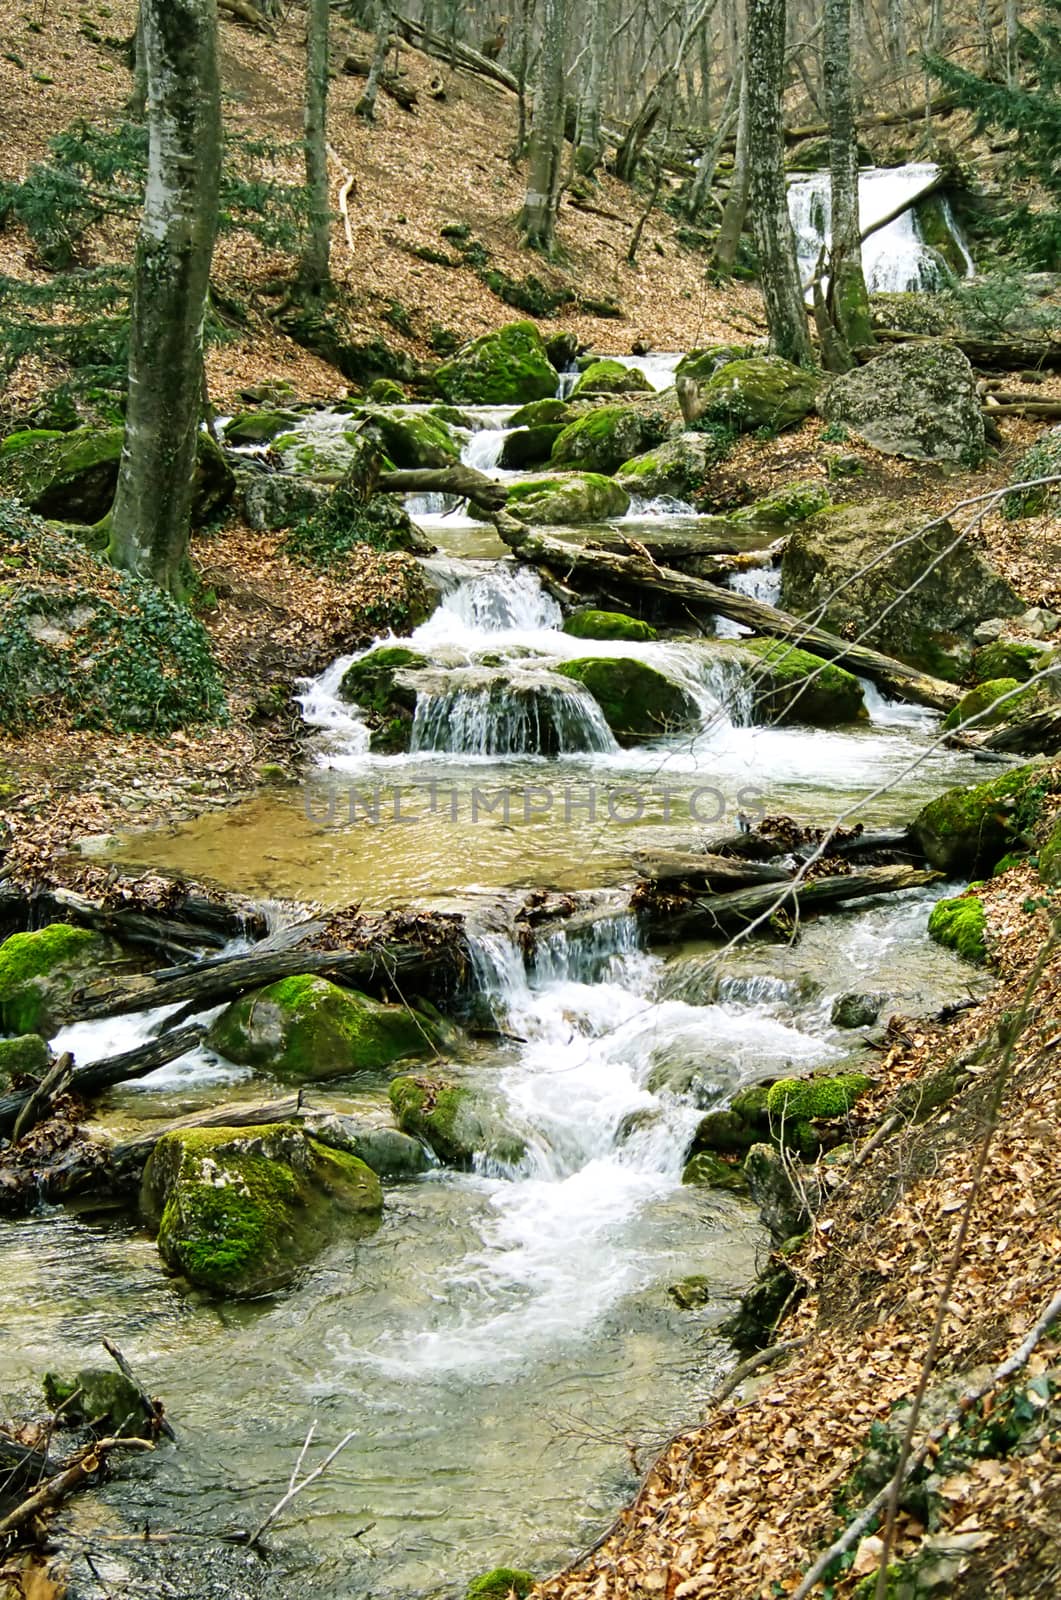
<point>314,267</point>
<point>786,314</point>
<point>848,302</point>
<point>546,146</point>
<point>152,508</point>
<point>589,152</point>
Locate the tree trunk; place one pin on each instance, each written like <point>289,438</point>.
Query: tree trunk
<point>547,133</point>
<point>786,314</point>
<point>366,106</point>
<point>136,105</point>
<point>590,149</point>
<point>848,302</point>
<point>735,209</point>
<point>707,166</point>
<point>313,271</point>
<point>152,507</point>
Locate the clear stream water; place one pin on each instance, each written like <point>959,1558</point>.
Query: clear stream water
<point>504,1346</point>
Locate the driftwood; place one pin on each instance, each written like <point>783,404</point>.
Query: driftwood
<point>641,574</point>
<point>129,1158</point>
<point>669,866</point>
<point>195,921</point>
<point>87,1463</point>
<point>728,913</point>
<point>459,480</point>
<point>1003,355</point>
<point>20,1110</point>
<point>454,53</point>
<point>392,83</point>
<point>151,1408</point>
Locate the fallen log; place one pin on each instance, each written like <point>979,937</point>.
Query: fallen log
<point>709,537</point>
<point>459,480</point>
<point>88,1462</point>
<point>129,1158</point>
<point>641,574</point>
<point>193,922</point>
<point>1050,409</point>
<point>669,866</point>
<point>1001,355</point>
<point>213,982</point>
<point>21,1109</point>
<point>403,94</point>
<point>454,53</point>
<point>729,913</point>
<point>1038,734</point>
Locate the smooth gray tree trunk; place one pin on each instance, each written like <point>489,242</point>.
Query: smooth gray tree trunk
<point>735,209</point>
<point>366,106</point>
<point>314,267</point>
<point>590,149</point>
<point>848,302</point>
<point>546,145</point>
<point>786,314</point>
<point>152,508</point>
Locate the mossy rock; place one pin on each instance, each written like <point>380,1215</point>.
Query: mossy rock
<point>568,500</point>
<point>783,693</point>
<point>26,1056</point>
<point>917,401</point>
<point>606,437</point>
<point>542,414</point>
<point>689,1293</point>
<point>1005,658</point>
<point>500,1584</point>
<point>100,1395</point>
<point>509,367</point>
<point>240,1210</point>
<point>529,447</point>
<point>677,468</point>
<point>785,1206</point>
<point>258,427</point>
<point>816,1099</point>
<point>607,625</point>
<point>752,1325</point>
<point>637,701</point>
<point>411,440</point>
<point>39,973</point>
<point>857,1009</point>
<point>960,925</point>
<point>979,701</point>
<point>707,1171</point>
<point>71,477</point>
<point>965,831</point>
<point>385,392</point>
<point>373,683</point>
<point>610,377</point>
<point>911,312</point>
<point>1050,856</point>
<point>795,503</point>
<point>759,392</point>
<point>456,1122</point>
<point>305,1029</point>
<point>703,364</point>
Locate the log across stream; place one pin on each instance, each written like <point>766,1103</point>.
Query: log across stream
<point>506,1336</point>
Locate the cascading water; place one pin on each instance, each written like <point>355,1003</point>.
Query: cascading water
<point>511,714</point>
<point>895,258</point>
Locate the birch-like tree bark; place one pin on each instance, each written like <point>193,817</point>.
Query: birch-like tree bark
<point>546,145</point>
<point>366,106</point>
<point>848,302</point>
<point>590,149</point>
<point>735,209</point>
<point>152,508</point>
<point>786,314</point>
<point>314,267</point>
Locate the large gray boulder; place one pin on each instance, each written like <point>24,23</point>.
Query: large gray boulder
<point>854,561</point>
<point>917,400</point>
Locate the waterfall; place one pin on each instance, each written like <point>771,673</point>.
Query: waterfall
<point>524,714</point>
<point>503,600</point>
<point>896,257</point>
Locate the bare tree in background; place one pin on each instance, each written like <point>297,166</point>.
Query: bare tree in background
<point>847,302</point>
<point>314,267</point>
<point>546,150</point>
<point>589,151</point>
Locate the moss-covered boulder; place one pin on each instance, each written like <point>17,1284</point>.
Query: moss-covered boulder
<point>638,702</point>
<point>818,1098</point>
<point>258,427</point>
<point>389,1153</point>
<point>858,1008</point>
<point>26,1056</point>
<point>410,439</point>
<point>458,1123</point>
<point>40,972</point>
<point>606,437</point>
<point>379,684</point>
<point>704,363</point>
<point>569,500</point>
<point>274,500</point>
<point>964,831</point>
<point>981,704</point>
<point>678,468</point>
<point>529,447</point>
<point>71,477</point>
<point>759,392</point>
<point>385,392</point>
<point>607,625</point>
<point>102,1396</point>
<point>1006,658</point>
<point>791,685</point>
<point>786,1207</point>
<point>960,925</point>
<point>610,377</point>
<point>794,503</point>
<point>918,401</point>
<point>240,1210</point>
<point>839,564</point>
<point>708,1171</point>
<point>1049,856</point>
<point>508,368</point>
<point>306,1029</point>
<point>503,1583</point>
<point>542,414</point>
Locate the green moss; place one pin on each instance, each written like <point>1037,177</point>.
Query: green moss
<point>258,427</point>
<point>529,447</point>
<point>571,499</point>
<point>411,440</point>
<point>500,1583</point>
<point>1007,659</point>
<point>812,1099</point>
<point>70,476</point>
<point>964,831</point>
<point>611,377</point>
<point>36,967</point>
<point>730,1132</point>
<point>385,392</point>
<point>607,625</point>
<point>760,392</point>
<point>26,1056</point>
<point>703,364</point>
<point>305,1028</point>
<point>453,1121</point>
<point>795,503</point>
<point>782,692</point>
<point>1042,460</point>
<point>99,1395</point>
<point>960,925</point>
<point>711,1172</point>
<point>388,707</point>
<point>979,700</point>
<point>606,437</point>
<point>638,702</point>
<point>239,1210</point>
<point>1050,856</point>
<point>541,413</point>
<point>509,367</point>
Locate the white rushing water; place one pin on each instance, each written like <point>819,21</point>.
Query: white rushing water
<point>896,257</point>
